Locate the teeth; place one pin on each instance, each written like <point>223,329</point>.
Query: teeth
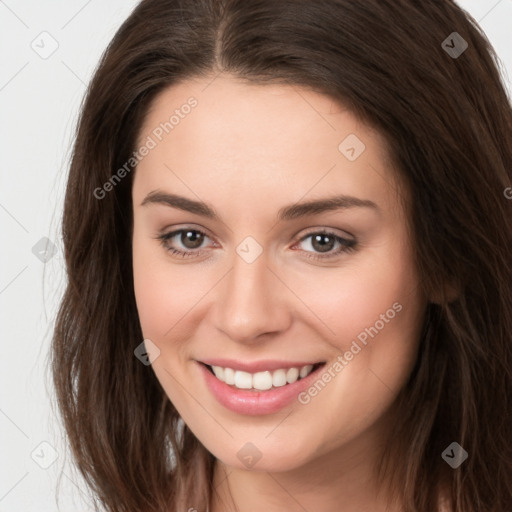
<point>292,375</point>
<point>219,372</point>
<point>279,378</point>
<point>261,381</point>
<point>305,370</point>
<point>243,380</point>
<point>229,376</point>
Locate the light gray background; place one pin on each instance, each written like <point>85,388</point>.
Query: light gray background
<point>39,103</point>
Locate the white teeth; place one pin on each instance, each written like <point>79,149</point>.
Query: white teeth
<point>229,376</point>
<point>305,370</point>
<point>243,380</point>
<point>279,378</point>
<point>292,375</point>
<point>261,381</point>
<point>219,372</point>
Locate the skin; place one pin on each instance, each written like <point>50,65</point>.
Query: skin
<point>249,150</point>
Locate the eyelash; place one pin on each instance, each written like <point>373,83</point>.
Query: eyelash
<point>347,246</point>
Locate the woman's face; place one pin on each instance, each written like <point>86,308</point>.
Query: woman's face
<point>296,254</point>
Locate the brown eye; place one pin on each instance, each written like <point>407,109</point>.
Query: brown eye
<point>184,243</point>
<point>191,239</point>
<point>322,243</point>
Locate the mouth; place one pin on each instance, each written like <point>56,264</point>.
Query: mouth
<point>266,380</point>
<point>257,388</point>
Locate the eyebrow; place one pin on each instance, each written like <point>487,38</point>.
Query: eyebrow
<point>294,211</point>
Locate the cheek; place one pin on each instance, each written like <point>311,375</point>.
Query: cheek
<point>378,291</point>
<point>164,296</point>
<point>170,297</point>
<point>374,315</point>
<point>159,290</point>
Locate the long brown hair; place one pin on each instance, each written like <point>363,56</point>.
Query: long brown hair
<point>448,124</point>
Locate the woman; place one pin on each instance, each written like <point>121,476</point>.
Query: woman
<point>287,233</point>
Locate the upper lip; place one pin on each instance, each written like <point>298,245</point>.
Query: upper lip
<point>257,366</point>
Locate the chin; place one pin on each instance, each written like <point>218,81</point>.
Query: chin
<point>258,457</point>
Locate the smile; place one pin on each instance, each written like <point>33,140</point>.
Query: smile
<point>258,388</point>
<point>261,381</point>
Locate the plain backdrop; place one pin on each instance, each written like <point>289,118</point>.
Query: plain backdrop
<point>40,96</point>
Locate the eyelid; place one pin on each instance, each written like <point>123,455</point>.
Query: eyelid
<point>347,244</point>
<point>315,230</point>
<point>184,227</point>
<point>164,236</point>
<point>326,230</point>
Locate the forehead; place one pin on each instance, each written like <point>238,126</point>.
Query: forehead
<point>227,134</point>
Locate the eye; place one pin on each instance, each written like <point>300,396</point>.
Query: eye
<point>324,241</point>
<point>190,240</point>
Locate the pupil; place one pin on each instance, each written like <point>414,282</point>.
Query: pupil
<point>322,247</point>
<point>191,237</point>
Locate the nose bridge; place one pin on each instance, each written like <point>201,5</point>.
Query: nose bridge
<point>250,302</point>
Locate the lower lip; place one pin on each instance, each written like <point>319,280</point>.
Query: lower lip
<point>255,403</point>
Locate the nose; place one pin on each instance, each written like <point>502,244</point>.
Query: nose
<point>252,301</point>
